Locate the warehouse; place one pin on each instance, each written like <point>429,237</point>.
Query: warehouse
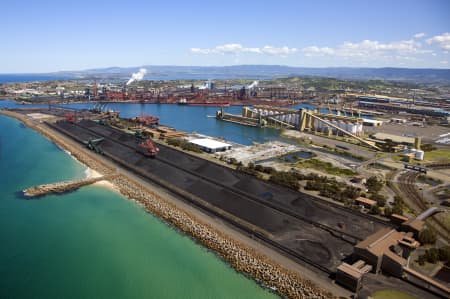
<point>210,145</point>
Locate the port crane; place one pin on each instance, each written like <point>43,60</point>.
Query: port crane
<point>99,107</point>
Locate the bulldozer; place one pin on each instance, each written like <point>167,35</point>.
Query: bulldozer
<point>93,145</point>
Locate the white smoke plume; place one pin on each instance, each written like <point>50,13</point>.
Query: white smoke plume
<point>253,85</point>
<point>138,76</point>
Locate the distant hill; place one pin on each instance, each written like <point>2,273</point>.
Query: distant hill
<point>270,71</point>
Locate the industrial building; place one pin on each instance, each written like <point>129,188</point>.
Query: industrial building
<point>301,119</point>
<point>210,145</point>
<point>394,107</point>
<point>413,225</point>
<point>394,138</point>
<point>325,123</point>
<point>350,276</point>
<point>365,202</point>
<point>386,250</point>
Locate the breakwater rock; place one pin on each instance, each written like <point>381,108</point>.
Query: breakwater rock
<point>59,187</point>
<point>239,256</point>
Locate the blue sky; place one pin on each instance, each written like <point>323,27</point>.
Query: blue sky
<point>44,36</point>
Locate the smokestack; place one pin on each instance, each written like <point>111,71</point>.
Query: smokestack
<point>417,142</point>
<point>253,85</point>
<point>138,76</point>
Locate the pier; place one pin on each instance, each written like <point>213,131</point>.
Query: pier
<point>61,187</point>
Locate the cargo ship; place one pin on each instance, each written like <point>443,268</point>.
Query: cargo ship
<point>203,103</point>
<point>208,104</point>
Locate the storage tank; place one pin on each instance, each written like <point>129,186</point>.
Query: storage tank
<point>347,126</point>
<point>352,128</point>
<point>323,126</point>
<point>359,130</point>
<point>419,154</point>
<point>343,126</point>
<point>288,118</point>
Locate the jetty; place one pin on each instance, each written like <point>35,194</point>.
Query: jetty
<point>61,187</point>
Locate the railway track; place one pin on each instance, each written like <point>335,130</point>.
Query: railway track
<point>407,182</point>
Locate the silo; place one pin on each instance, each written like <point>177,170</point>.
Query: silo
<point>353,128</point>
<point>359,129</point>
<point>419,155</point>
<point>348,127</point>
<point>343,126</point>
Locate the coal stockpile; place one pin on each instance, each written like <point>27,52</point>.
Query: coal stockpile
<point>302,204</point>
<point>299,224</point>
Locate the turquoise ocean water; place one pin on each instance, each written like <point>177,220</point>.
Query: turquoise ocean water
<point>93,243</point>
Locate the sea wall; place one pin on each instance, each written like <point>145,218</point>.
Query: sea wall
<point>241,257</point>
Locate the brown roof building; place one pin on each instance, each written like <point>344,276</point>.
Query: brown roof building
<point>378,250</point>
<point>366,202</point>
<point>351,276</point>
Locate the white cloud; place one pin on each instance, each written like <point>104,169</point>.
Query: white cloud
<point>443,62</point>
<point>409,51</point>
<point>238,48</point>
<point>368,49</point>
<point>442,40</point>
<point>200,51</point>
<point>419,35</point>
<point>316,51</point>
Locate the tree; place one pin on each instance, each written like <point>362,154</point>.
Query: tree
<point>375,210</point>
<point>444,254</point>
<point>432,255</point>
<point>421,260</point>
<point>427,236</point>
<point>397,209</point>
<point>351,192</point>
<point>380,199</point>
<point>398,199</point>
<point>388,211</point>
<point>374,184</point>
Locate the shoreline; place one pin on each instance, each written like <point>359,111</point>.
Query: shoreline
<point>243,258</point>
